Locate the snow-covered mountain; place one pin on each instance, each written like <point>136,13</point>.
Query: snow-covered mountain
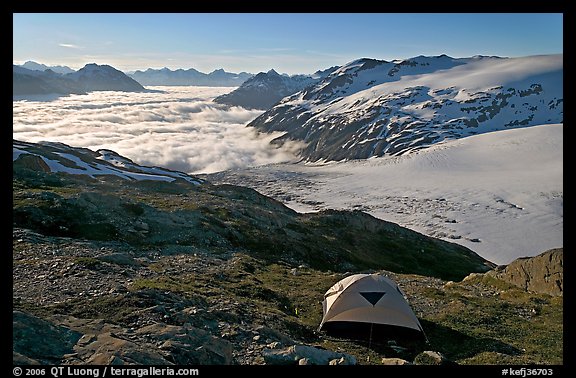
<point>165,76</point>
<point>59,157</point>
<point>92,77</point>
<point>374,108</point>
<point>267,88</point>
<point>34,66</point>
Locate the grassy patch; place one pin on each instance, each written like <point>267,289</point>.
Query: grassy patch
<point>508,327</point>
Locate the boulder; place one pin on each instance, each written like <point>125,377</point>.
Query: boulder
<point>32,162</point>
<point>310,355</point>
<point>429,357</point>
<point>542,274</point>
<point>395,361</point>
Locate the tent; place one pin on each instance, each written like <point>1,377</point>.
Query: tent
<point>364,303</point>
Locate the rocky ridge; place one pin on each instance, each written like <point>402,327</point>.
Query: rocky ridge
<point>541,274</point>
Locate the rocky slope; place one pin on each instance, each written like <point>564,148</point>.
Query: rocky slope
<point>92,77</point>
<point>267,88</point>
<point>166,76</point>
<point>112,199</point>
<point>110,269</point>
<point>89,302</point>
<point>373,107</point>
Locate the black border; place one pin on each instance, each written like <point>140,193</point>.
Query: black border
<point>481,6</point>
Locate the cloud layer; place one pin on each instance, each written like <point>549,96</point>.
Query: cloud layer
<point>178,128</point>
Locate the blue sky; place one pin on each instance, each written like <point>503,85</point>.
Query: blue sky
<point>289,43</point>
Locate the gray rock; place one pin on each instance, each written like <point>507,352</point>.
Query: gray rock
<point>340,361</point>
<point>188,345</point>
<point>429,357</point>
<point>314,356</point>
<point>40,340</point>
<point>141,226</point>
<point>274,335</point>
<point>109,349</point>
<point>542,274</point>
<point>19,359</point>
<point>119,259</point>
<point>395,361</point>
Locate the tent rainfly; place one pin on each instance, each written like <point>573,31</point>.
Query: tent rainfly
<point>366,301</point>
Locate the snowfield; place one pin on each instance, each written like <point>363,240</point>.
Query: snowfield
<point>499,194</point>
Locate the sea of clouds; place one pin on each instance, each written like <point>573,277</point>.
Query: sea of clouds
<point>178,128</point>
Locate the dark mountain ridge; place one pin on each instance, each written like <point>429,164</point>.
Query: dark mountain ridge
<point>92,77</point>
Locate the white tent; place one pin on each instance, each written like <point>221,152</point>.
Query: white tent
<point>367,300</point>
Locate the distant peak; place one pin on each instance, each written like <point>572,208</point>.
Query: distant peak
<point>94,66</point>
<point>272,72</point>
<point>487,57</point>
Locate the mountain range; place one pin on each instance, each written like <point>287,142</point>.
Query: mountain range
<point>92,77</point>
<point>165,76</point>
<point>371,107</point>
<point>34,66</point>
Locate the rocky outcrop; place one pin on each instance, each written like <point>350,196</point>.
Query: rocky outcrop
<point>35,339</point>
<point>66,339</point>
<point>540,274</point>
<point>31,162</point>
